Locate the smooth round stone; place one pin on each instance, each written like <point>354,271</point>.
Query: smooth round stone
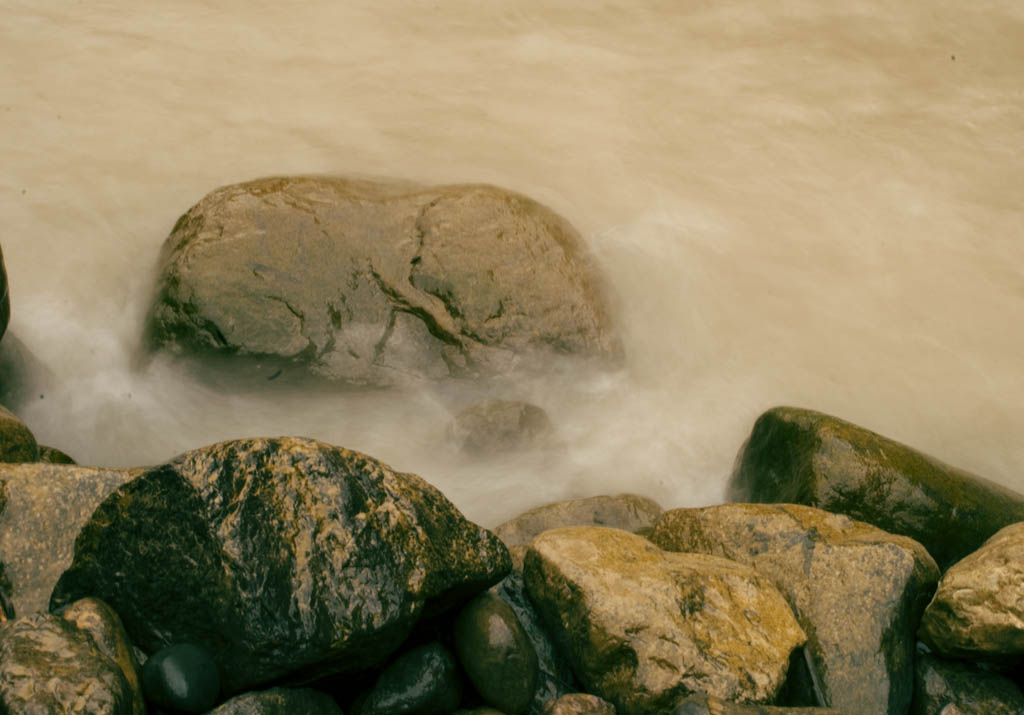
<point>422,681</point>
<point>181,677</point>
<point>496,653</point>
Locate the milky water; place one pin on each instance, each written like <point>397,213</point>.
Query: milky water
<point>796,202</point>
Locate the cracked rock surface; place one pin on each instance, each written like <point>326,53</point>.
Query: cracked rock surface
<point>371,283</point>
<point>643,628</point>
<point>281,557</point>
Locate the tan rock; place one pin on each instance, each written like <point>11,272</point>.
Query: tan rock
<point>858,591</point>
<point>630,512</point>
<point>579,704</point>
<point>643,627</point>
<point>978,609</point>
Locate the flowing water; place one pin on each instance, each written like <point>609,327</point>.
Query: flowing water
<point>796,202</point>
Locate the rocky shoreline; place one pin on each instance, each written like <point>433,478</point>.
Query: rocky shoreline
<point>848,573</point>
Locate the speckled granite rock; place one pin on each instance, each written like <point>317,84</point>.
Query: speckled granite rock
<point>279,701</point>
<point>643,627</point>
<point>280,556</point>
<point>104,626</point>
<point>47,665</point>
<point>630,512</point>
<point>805,457</point>
<point>17,444</point>
<point>944,687</point>
<point>858,591</point>
<point>579,704</point>
<point>708,705</point>
<point>374,283</point>
<point>978,609</point>
<point>42,508</point>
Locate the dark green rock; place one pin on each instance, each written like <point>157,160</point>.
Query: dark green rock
<point>5,299</point>
<point>940,684</point>
<point>47,665</point>
<point>422,681</point>
<point>282,557</point>
<point>52,455</point>
<point>279,701</point>
<point>17,444</point>
<point>181,677</point>
<point>804,457</point>
<point>496,653</point>
<point>374,283</point>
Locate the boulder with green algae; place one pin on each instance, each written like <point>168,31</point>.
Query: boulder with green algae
<point>643,627</point>
<point>858,591</point>
<point>282,557</point>
<point>17,443</point>
<point>800,456</point>
<point>377,283</point>
<point>978,608</point>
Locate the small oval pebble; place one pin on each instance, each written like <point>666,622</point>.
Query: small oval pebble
<point>181,677</point>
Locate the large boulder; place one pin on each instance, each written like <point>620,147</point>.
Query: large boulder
<point>804,457</point>
<point>978,609</point>
<point>5,300</point>
<point>858,591</point>
<point>375,283</point>
<point>281,557</point>
<point>643,628</point>
<point>42,509</point>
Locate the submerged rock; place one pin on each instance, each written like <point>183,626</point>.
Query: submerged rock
<point>42,509</point>
<point>804,457</point>
<point>978,609</point>
<point>282,557</point>
<point>643,627</point>
<point>47,665</point>
<point>495,426</point>
<point>858,591</point>
<point>17,443</point>
<point>373,283</point>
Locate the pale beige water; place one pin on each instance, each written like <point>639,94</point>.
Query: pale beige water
<point>819,204</point>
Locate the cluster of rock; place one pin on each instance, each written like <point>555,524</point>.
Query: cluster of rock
<point>847,574</point>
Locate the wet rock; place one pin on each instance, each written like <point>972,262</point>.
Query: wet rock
<point>978,609</point>
<point>643,627</point>
<point>943,686</point>
<point>282,557</point>
<point>182,678</point>
<point>374,283</point>
<point>495,426</point>
<point>554,674</point>
<point>104,626</point>
<point>496,653</point>
<point>805,457</point>
<point>422,681</point>
<point>23,376</point>
<point>42,508</point>
<point>579,704</point>
<point>630,512</point>
<point>708,705</point>
<point>17,444</point>
<point>47,665</point>
<point>858,591</point>
<point>5,298</point>
<point>52,455</point>
<point>279,701</point>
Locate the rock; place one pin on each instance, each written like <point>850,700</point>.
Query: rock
<point>630,512</point>
<point>978,609</point>
<point>422,681</point>
<point>374,283</point>
<point>52,455</point>
<point>579,704</point>
<point>279,701</point>
<point>643,627</point>
<point>5,298</point>
<point>804,457</point>
<point>942,684</point>
<point>282,557</point>
<point>707,705</point>
<point>23,376</point>
<point>47,665</point>
<point>858,591</point>
<point>496,426</point>
<point>17,444</point>
<point>496,653</point>
<point>182,678</point>
<point>42,508</point>
<point>101,622</point>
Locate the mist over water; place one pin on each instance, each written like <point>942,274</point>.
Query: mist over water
<point>795,203</point>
